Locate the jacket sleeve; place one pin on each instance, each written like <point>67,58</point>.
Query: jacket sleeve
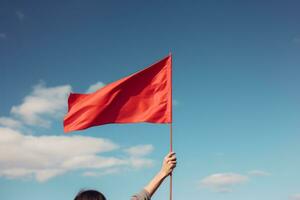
<point>142,195</point>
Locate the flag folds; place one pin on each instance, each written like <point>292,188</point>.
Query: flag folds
<point>141,97</point>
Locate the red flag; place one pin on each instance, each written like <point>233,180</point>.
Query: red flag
<point>141,97</point>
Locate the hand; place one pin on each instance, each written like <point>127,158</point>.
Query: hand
<point>169,164</point>
<point>167,168</point>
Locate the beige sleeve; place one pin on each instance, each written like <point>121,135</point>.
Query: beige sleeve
<point>142,195</point>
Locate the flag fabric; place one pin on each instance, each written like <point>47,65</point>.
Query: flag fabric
<point>145,96</point>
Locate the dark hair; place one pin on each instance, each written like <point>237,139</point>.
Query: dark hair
<point>89,195</point>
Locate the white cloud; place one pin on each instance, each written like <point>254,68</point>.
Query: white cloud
<point>223,182</point>
<point>44,157</point>
<point>139,150</point>
<point>3,36</point>
<point>95,87</point>
<point>140,162</point>
<point>136,154</point>
<point>258,173</point>
<point>20,15</point>
<point>42,104</point>
<point>102,173</point>
<point>10,122</point>
<point>295,197</point>
<point>47,156</point>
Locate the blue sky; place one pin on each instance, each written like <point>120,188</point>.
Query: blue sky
<point>236,84</point>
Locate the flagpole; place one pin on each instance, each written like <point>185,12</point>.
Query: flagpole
<point>171,129</point>
<point>171,149</point>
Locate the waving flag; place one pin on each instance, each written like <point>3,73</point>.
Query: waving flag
<point>141,97</point>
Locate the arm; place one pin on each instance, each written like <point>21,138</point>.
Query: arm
<point>167,168</point>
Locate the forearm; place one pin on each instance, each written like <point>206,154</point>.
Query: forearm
<point>155,183</point>
<point>168,165</point>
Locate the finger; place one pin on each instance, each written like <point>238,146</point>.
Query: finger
<point>172,159</point>
<point>173,166</point>
<point>171,154</point>
<point>172,163</point>
<point>169,161</point>
<point>168,155</point>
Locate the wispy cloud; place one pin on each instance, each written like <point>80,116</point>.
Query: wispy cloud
<point>43,157</point>
<point>295,197</point>
<point>42,105</point>
<point>47,156</point>
<point>223,182</point>
<point>3,36</point>
<point>259,173</point>
<point>95,87</point>
<point>137,154</point>
<point>139,150</point>
<point>20,15</point>
<point>10,122</point>
<point>102,173</point>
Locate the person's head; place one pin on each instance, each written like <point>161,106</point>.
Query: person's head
<point>89,195</point>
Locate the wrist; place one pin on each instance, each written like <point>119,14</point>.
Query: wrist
<point>162,174</point>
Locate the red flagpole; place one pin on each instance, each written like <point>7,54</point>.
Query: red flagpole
<point>171,149</point>
<point>171,132</point>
